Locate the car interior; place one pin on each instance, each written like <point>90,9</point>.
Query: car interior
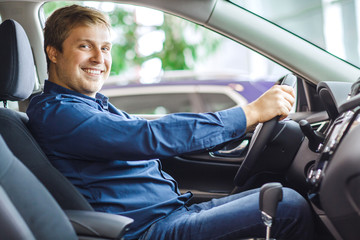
<point>313,151</point>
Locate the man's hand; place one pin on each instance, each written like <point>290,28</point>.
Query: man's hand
<point>277,101</point>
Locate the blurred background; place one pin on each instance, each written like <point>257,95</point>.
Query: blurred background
<point>160,59</point>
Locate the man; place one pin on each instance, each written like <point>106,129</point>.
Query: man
<point>112,157</point>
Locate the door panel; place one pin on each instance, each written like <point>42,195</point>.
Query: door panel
<point>206,175</point>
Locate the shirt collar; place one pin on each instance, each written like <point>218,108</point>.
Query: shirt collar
<point>50,87</point>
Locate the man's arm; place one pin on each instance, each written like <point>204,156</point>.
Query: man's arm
<point>72,129</point>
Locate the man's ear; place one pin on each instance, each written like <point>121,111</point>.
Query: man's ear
<point>52,53</point>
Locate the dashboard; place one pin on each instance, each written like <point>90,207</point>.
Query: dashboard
<point>341,126</point>
<point>333,180</point>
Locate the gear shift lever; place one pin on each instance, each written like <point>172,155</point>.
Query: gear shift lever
<point>270,195</point>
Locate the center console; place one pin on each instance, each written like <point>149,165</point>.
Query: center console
<point>334,181</point>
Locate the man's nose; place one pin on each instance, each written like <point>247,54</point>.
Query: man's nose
<point>97,56</point>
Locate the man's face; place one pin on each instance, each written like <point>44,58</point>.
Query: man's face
<point>85,61</point>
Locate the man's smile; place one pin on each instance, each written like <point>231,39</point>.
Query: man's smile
<point>92,71</point>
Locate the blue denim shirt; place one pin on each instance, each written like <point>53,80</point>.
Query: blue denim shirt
<point>113,158</point>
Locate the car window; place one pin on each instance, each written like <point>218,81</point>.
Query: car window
<point>152,47</point>
<point>10,104</point>
<point>331,25</point>
<point>172,103</point>
<point>153,103</point>
<point>215,102</point>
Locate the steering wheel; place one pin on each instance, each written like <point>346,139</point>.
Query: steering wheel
<point>259,141</point>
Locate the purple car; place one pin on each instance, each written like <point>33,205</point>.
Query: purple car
<point>184,96</point>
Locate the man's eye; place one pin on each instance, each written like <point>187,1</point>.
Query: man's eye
<point>106,49</point>
<point>84,46</point>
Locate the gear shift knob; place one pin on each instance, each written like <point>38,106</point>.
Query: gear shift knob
<point>270,195</point>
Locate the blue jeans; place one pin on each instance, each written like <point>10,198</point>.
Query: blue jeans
<point>233,217</point>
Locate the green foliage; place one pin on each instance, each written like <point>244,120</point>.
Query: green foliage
<point>179,51</point>
<point>123,49</point>
<point>49,7</point>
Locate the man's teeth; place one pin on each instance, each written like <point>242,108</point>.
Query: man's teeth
<point>91,71</point>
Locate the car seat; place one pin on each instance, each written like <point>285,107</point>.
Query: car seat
<point>28,211</point>
<point>27,208</point>
<point>17,80</point>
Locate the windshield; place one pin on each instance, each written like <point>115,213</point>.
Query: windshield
<point>329,24</point>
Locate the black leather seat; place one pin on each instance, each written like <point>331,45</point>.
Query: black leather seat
<point>28,211</point>
<point>17,80</point>
<point>27,208</point>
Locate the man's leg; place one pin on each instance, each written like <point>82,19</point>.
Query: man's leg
<point>234,217</point>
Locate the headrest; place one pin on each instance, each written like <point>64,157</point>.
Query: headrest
<point>17,69</point>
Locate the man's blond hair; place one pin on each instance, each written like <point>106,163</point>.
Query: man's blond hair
<point>63,20</point>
